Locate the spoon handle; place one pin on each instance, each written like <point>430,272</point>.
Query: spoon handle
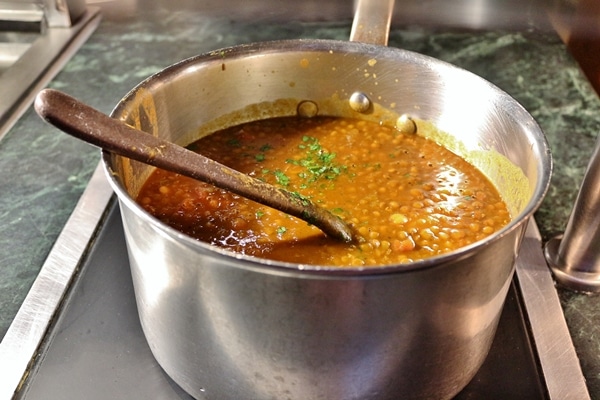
<point>90,125</point>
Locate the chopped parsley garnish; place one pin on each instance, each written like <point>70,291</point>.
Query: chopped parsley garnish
<point>282,178</point>
<point>235,142</point>
<point>261,156</point>
<point>318,162</point>
<point>303,199</point>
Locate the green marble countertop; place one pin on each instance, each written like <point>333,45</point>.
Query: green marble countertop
<point>43,172</point>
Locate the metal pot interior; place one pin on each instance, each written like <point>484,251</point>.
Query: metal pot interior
<point>478,121</point>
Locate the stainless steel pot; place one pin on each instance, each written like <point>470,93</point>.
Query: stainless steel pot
<point>227,326</point>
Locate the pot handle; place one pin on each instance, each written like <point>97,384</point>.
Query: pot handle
<point>372,19</point>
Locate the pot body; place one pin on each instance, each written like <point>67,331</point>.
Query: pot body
<point>227,326</point>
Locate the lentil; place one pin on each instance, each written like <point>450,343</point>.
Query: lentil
<point>407,197</point>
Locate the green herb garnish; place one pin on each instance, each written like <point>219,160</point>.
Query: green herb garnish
<point>304,200</point>
<point>260,157</point>
<point>318,162</point>
<point>282,178</point>
<point>235,142</point>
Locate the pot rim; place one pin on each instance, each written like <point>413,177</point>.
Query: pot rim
<point>544,162</point>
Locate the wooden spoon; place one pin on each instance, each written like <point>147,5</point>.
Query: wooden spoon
<point>88,124</point>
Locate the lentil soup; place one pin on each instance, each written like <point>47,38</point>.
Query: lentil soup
<point>407,197</point>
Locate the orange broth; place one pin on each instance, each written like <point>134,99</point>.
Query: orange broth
<point>407,197</point>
